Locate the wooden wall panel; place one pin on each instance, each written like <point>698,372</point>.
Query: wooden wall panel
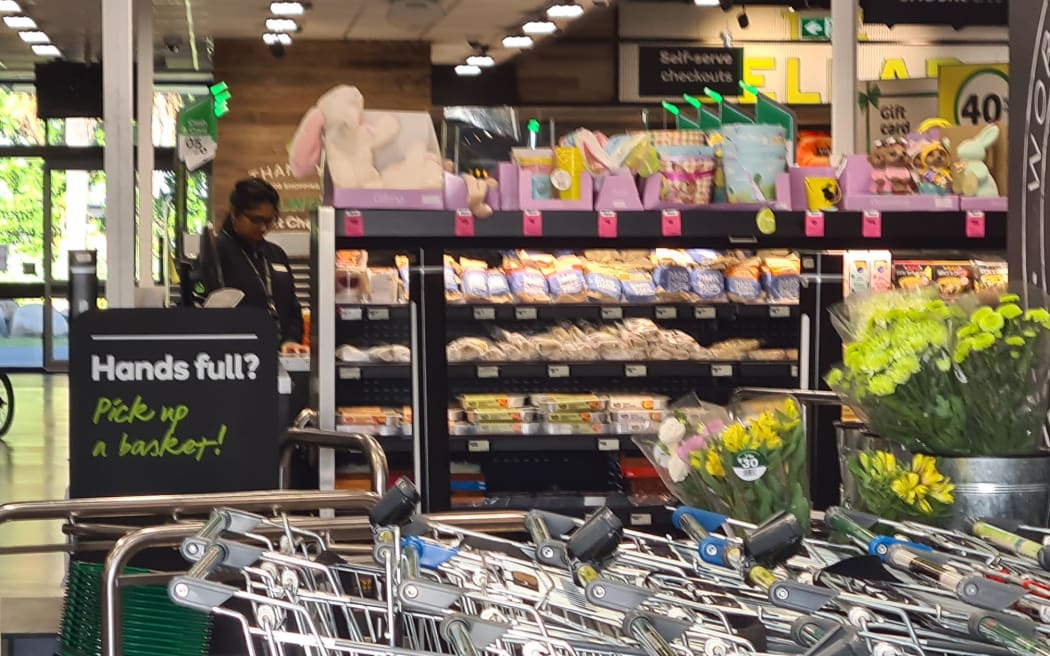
<point>271,95</point>
<point>570,72</point>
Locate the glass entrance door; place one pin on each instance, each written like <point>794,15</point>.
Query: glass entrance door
<point>21,262</point>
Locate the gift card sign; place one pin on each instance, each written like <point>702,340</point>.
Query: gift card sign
<point>532,223</point>
<point>671,223</point>
<point>464,223</point>
<point>975,224</point>
<point>814,224</point>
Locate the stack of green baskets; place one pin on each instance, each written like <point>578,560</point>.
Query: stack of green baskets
<point>150,623</point>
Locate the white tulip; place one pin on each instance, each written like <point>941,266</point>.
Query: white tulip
<point>671,433</point>
<point>678,469</point>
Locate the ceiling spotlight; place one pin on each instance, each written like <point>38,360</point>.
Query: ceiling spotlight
<point>798,5</point>
<point>742,20</point>
<point>10,7</point>
<point>539,27</point>
<point>20,22</point>
<point>46,51</point>
<point>277,50</point>
<point>467,70</point>
<point>726,5</point>
<point>286,8</point>
<point>281,25</point>
<point>706,3</point>
<point>481,61</point>
<point>520,42</point>
<point>35,36</point>
<point>272,38</point>
<point>566,11</point>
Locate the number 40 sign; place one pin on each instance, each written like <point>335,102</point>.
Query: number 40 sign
<point>974,94</point>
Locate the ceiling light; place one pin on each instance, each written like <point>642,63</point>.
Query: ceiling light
<point>35,36</point>
<point>286,8</point>
<point>519,42</point>
<point>281,25</point>
<point>467,70</point>
<point>539,27</point>
<point>20,22</point>
<point>9,7</point>
<point>47,51</point>
<point>271,38</point>
<point>565,11</point>
<point>706,3</point>
<point>482,61</point>
<point>742,20</point>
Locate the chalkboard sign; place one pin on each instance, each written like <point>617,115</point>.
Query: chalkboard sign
<point>670,71</point>
<point>177,401</point>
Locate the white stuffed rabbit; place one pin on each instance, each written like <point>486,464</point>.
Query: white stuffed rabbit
<point>973,178</point>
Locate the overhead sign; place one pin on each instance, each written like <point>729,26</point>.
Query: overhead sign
<point>815,29</point>
<point>197,127</point>
<point>798,73</point>
<point>670,71</point>
<point>957,13</point>
<point>974,94</point>
<point>176,401</point>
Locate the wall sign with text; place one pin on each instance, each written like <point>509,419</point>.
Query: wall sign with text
<point>177,401</point>
<point>957,13</point>
<point>974,94</point>
<point>670,71</point>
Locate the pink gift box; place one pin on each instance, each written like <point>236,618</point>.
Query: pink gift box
<point>618,193</point>
<point>382,199</point>
<point>997,204</point>
<point>527,202</point>
<point>651,200</point>
<point>456,194</point>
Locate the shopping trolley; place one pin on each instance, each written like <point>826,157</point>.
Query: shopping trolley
<point>7,404</point>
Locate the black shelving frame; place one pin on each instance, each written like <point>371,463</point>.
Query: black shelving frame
<point>427,236</point>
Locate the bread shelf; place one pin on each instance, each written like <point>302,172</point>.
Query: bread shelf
<point>642,369</point>
<point>614,312</point>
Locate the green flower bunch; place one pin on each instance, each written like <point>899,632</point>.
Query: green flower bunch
<point>901,491</point>
<point>964,380</point>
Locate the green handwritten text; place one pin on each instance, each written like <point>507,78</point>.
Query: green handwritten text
<point>117,411</point>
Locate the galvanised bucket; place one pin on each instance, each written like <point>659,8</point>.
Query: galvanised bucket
<point>1006,488</point>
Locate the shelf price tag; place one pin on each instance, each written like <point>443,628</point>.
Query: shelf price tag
<point>975,225</point>
<point>464,223</point>
<point>608,226</point>
<point>779,312</point>
<point>593,501</point>
<point>635,371</point>
<point>353,224</point>
<point>350,373</point>
<point>794,371</point>
<point>814,224</point>
<point>612,313</point>
<point>671,223</point>
<point>350,313</point>
<point>641,519</point>
<point>532,223</point>
<point>484,314</point>
<point>705,313</point>
<point>722,370</point>
<point>608,444</point>
<point>525,314</point>
<point>871,224</point>
<point>666,313</point>
<point>488,372</point>
<point>378,314</point>
<point>478,446</point>
<point>558,371</point>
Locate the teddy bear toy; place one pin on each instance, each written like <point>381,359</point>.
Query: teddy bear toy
<point>898,168</point>
<point>879,183</point>
<point>931,162</point>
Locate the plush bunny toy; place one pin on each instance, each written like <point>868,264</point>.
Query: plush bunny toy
<point>336,126</point>
<point>973,178</point>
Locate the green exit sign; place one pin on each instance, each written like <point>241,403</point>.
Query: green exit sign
<point>815,29</point>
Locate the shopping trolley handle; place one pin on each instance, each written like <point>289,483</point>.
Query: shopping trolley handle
<point>431,556</point>
<point>228,520</point>
<point>462,630</point>
<point>397,506</point>
<point>882,544</point>
<point>208,555</point>
<point>799,597</point>
<point>710,521</point>
<point>198,594</point>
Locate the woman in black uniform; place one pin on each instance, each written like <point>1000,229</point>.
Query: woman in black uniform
<point>246,261</point>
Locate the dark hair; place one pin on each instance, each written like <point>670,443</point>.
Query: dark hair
<point>253,192</point>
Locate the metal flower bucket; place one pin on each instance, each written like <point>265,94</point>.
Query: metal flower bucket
<point>1007,488</point>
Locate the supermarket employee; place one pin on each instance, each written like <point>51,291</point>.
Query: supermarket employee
<point>244,260</point>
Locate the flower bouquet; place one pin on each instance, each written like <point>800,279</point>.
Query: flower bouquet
<point>748,462</point>
<point>962,380</point>
<point>899,492</point>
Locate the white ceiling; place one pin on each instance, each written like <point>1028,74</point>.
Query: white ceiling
<point>75,25</point>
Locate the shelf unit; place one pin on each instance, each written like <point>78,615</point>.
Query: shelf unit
<point>428,323</point>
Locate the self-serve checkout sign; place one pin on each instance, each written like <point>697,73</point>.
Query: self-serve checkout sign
<point>177,401</point>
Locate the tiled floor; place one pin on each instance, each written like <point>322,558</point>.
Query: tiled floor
<point>33,466</point>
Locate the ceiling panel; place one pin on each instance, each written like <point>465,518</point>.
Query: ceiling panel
<point>75,26</point>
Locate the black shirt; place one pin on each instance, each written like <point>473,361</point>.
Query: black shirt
<point>262,272</point>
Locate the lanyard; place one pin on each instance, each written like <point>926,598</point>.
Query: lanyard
<point>266,282</point>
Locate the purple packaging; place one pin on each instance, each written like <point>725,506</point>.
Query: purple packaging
<point>603,287</point>
<point>708,284</point>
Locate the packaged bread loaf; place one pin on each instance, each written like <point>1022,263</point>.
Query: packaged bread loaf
<point>467,349</point>
<point>603,285</point>
<point>733,349</point>
<point>498,287</point>
<point>475,282</point>
<point>781,277</point>
<point>743,280</point>
<point>349,353</point>
<point>391,353</point>
<point>453,288</point>
<point>527,283</point>
<point>566,282</point>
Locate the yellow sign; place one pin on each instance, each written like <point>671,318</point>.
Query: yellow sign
<point>974,94</point>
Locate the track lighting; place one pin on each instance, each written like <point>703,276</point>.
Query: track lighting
<point>566,11</point>
<point>20,22</point>
<point>539,27</point>
<point>277,38</point>
<point>520,42</point>
<point>467,70</point>
<point>281,25</point>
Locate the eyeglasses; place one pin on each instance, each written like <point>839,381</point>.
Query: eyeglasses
<point>261,220</point>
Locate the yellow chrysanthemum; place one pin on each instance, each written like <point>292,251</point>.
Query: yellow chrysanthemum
<point>735,438</point>
<point>765,434</point>
<point>943,493</point>
<point>924,507</point>
<point>713,464</point>
<point>926,468</point>
<point>909,488</point>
